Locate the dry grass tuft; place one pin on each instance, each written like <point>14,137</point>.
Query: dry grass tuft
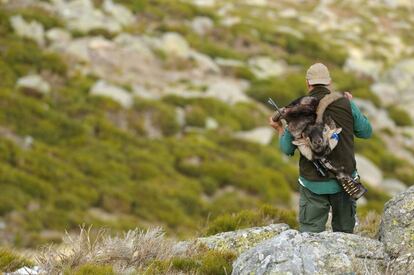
<point>369,225</point>
<point>136,248</point>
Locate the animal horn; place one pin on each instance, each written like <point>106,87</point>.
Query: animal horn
<point>324,103</point>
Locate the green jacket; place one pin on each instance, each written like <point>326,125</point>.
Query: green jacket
<point>346,115</point>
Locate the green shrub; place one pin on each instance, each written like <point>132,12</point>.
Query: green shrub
<point>92,269</point>
<point>214,48</point>
<point>369,224</point>
<point>242,72</point>
<point>7,75</point>
<point>203,261</point>
<point>217,263</point>
<point>11,261</point>
<point>282,89</point>
<point>196,116</point>
<point>47,19</point>
<point>400,116</point>
<point>25,57</point>
<point>162,115</point>
<point>250,218</point>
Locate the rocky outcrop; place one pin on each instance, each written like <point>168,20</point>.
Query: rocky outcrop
<point>397,224</point>
<point>397,232</point>
<point>118,94</point>
<point>260,135</point>
<point>368,171</point>
<point>83,16</point>
<point>34,85</point>
<point>32,30</point>
<point>236,241</point>
<point>292,252</point>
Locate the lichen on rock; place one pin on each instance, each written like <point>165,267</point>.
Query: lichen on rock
<point>293,252</point>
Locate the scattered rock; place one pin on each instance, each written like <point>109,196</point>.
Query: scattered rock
<point>265,67</point>
<point>211,123</point>
<point>33,30</point>
<point>257,2</point>
<point>261,135</point>
<point>288,13</point>
<point>141,91</point>
<point>118,94</point>
<point>33,84</point>
<point>292,252</point>
<point>81,15</point>
<point>119,13</point>
<point>363,66</point>
<point>397,224</point>
<point>204,62</point>
<point>393,186</point>
<point>386,92</point>
<point>243,239</point>
<point>230,21</point>
<point>228,62</point>
<point>368,171</point>
<point>151,130</point>
<point>58,35</point>
<point>379,118</point>
<point>228,91</point>
<point>201,25</point>
<point>396,85</point>
<point>174,44</point>
<point>27,271</point>
<point>134,43</point>
<point>204,3</point>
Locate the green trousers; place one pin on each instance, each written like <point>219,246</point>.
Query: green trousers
<point>314,210</point>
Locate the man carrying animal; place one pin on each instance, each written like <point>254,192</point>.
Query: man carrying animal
<point>319,193</point>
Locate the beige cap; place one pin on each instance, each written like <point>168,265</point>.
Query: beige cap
<point>318,74</point>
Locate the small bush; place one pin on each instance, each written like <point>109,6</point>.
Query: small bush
<point>10,261</point>
<point>92,269</point>
<point>282,89</point>
<point>196,116</point>
<point>400,116</point>
<point>248,218</point>
<point>217,263</point>
<point>202,261</point>
<point>47,19</point>
<point>369,225</point>
<point>7,75</point>
<point>162,115</point>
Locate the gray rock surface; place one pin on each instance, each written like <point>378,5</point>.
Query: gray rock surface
<point>202,24</point>
<point>228,91</point>
<point>83,16</point>
<point>393,186</point>
<point>397,224</point>
<point>118,94</point>
<point>261,135</point>
<point>34,83</point>
<point>32,30</point>
<point>58,35</point>
<point>292,252</point>
<point>265,67</point>
<point>368,171</point>
<point>243,239</point>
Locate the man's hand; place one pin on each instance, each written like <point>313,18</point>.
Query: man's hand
<point>348,95</point>
<point>276,125</point>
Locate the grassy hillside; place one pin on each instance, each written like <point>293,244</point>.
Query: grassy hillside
<point>66,159</point>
